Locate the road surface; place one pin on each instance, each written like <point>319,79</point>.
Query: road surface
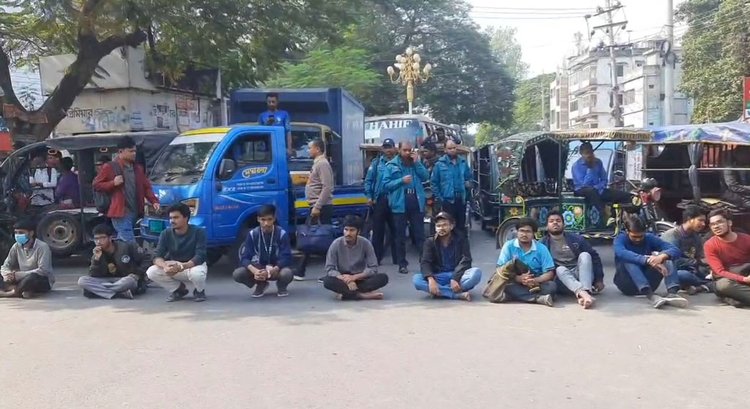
<point>409,351</point>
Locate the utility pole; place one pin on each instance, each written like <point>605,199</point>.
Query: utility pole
<point>669,66</point>
<point>609,29</point>
<point>544,112</point>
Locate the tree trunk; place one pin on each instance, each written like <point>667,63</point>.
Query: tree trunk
<point>38,125</point>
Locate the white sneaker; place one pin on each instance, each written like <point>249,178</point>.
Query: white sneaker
<point>658,302</point>
<point>676,300</point>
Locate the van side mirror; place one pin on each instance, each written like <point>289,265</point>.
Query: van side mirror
<point>227,168</point>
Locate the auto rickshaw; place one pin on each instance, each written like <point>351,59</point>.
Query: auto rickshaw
<point>689,162</point>
<point>65,227</point>
<point>534,171</point>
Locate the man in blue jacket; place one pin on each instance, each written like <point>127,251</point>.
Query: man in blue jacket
<point>578,266</point>
<point>267,256</point>
<point>404,177</point>
<point>378,200</point>
<point>450,178</point>
<point>590,180</point>
<point>642,259</point>
<point>277,117</point>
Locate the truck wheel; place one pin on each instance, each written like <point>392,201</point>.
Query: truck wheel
<point>235,252</point>
<point>61,232</point>
<point>213,256</point>
<point>506,232</point>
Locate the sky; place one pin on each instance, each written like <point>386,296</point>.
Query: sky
<point>546,27</point>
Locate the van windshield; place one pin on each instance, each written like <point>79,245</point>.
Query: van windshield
<point>185,156</point>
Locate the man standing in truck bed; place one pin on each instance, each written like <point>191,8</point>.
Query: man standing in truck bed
<point>319,193</point>
<point>276,117</point>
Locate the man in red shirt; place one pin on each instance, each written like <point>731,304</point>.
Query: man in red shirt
<point>125,182</point>
<point>728,255</point>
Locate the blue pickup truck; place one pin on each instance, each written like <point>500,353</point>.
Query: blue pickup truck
<point>226,174</point>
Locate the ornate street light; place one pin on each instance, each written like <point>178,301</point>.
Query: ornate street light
<point>407,71</point>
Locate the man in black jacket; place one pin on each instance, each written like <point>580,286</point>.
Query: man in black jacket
<point>117,267</point>
<point>446,263</point>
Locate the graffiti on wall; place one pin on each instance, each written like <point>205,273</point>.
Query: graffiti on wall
<point>164,116</point>
<point>101,119</point>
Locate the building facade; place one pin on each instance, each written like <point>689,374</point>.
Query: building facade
<point>585,100</point>
<point>124,96</point>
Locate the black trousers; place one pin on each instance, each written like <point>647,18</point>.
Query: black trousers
<point>607,196</point>
<point>33,282</point>
<point>381,219</point>
<point>457,209</point>
<point>367,285</point>
<point>326,217</point>
<point>415,220</point>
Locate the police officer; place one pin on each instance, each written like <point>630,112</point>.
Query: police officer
<point>378,201</point>
<point>404,178</point>
<point>450,178</point>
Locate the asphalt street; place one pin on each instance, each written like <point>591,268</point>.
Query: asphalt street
<point>408,351</point>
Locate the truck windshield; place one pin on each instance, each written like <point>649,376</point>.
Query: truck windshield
<point>182,158</point>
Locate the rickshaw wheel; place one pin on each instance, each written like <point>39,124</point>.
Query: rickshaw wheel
<point>61,232</point>
<point>506,232</point>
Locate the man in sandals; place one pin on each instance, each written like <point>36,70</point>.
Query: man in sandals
<point>578,266</point>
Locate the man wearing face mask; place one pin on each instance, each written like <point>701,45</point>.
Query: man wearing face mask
<point>642,260</point>
<point>446,263</point>
<point>404,178</point>
<point>378,200</point>
<point>351,265</point>
<point>27,270</point>
<point>451,177</point>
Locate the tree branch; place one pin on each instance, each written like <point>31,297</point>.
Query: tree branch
<point>114,42</point>
<point>5,81</point>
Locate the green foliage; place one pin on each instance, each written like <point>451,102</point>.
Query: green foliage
<point>715,57</point>
<point>345,67</point>
<point>506,49</point>
<point>527,111</point>
<point>468,84</point>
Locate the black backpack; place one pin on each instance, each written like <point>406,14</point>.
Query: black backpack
<point>102,200</point>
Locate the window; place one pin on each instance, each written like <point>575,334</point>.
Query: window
<point>620,70</point>
<point>253,149</point>
<point>620,99</point>
<point>592,102</point>
<point>593,125</point>
<point>574,105</point>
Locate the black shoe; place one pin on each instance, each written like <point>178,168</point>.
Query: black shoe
<point>199,296</point>
<point>320,279</point>
<point>89,294</point>
<point>260,290</point>
<point>178,294</point>
<point>403,270</point>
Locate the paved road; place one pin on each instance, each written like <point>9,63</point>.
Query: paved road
<point>310,351</point>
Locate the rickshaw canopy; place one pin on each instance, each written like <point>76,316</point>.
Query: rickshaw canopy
<point>735,133</point>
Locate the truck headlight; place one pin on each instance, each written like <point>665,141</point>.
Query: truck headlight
<point>192,204</point>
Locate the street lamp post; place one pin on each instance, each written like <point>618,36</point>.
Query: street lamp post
<point>407,71</point>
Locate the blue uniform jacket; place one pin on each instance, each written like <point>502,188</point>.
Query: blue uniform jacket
<point>375,179</point>
<point>395,187</point>
<point>449,180</point>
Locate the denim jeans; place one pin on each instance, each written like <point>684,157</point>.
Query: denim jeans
<point>575,279</point>
<point>124,227</point>
<point>518,292</point>
<point>688,279</point>
<point>469,280</point>
<point>634,279</point>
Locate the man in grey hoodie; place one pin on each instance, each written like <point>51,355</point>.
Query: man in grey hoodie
<point>27,270</point>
